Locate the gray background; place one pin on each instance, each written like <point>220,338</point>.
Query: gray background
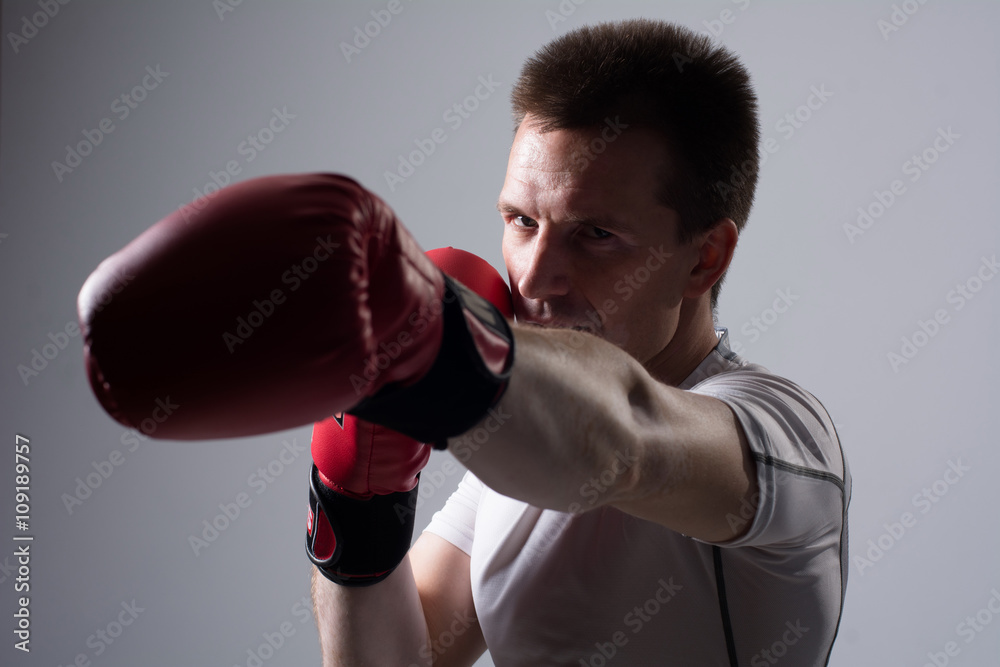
<point>853,301</point>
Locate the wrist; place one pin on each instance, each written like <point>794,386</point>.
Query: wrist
<point>355,541</point>
<point>468,377</point>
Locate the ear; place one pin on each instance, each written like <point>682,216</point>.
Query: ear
<point>715,249</point>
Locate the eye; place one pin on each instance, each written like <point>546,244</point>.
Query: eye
<point>598,233</point>
<point>524,221</point>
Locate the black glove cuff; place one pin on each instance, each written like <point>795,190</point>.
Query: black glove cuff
<point>457,391</point>
<point>370,537</point>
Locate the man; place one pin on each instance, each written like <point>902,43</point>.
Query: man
<point>644,496</point>
<point>637,493</point>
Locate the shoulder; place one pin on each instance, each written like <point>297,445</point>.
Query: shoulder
<point>784,423</point>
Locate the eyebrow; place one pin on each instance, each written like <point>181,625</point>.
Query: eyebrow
<point>603,222</point>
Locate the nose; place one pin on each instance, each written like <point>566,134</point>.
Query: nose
<point>545,268</point>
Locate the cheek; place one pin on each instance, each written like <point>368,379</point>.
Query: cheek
<point>643,331</point>
<point>646,322</point>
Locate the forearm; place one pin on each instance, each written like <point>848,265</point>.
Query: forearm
<point>574,419</point>
<point>374,625</point>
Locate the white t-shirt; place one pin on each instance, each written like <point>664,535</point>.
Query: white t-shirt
<point>603,587</point>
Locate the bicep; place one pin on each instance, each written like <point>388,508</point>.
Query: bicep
<point>695,470</point>
<point>442,574</point>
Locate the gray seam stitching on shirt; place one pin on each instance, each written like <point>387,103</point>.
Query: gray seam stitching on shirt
<point>767,459</point>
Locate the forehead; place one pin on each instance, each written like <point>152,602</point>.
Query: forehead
<point>610,163</point>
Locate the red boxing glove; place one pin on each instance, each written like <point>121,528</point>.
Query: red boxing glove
<point>363,485</point>
<point>281,301</point>
<point>362,499</point>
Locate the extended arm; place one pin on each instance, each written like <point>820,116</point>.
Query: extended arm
<point>584,425</point>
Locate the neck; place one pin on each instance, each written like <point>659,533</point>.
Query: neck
<point>693,340</point>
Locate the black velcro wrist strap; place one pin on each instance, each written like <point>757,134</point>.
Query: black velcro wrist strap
<point>370,537</point>
<point>459,389</point>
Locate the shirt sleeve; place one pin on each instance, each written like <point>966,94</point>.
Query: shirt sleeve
<point>802,477</point>
<point>456,521</point>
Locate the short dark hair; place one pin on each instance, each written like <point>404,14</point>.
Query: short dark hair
<point>668,79</point>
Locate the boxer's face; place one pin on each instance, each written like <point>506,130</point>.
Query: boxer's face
<point>585,241</point>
